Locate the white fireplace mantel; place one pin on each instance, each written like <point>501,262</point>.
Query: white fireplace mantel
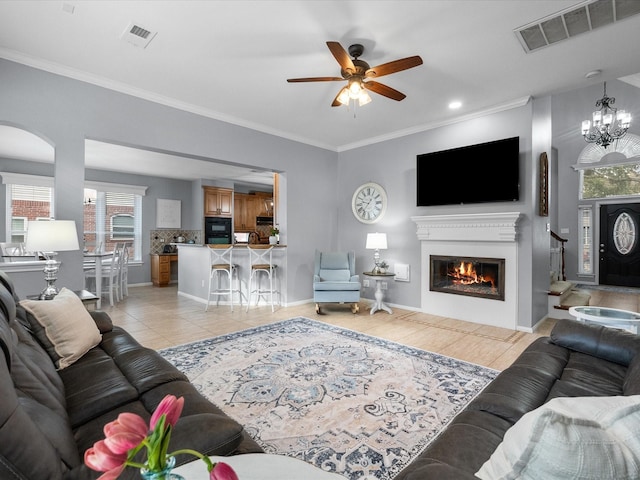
<point>477,227</point>
<point>482,235</point>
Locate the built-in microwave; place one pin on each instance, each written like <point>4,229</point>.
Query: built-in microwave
<point>217,230</point>
<point>264,220</point>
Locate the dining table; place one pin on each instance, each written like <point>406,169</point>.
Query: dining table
<point>94,260</point>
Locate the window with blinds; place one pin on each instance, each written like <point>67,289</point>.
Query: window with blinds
<point>111,212</point>
<point>122,227</point>
<point>28,203</point>
<point>111,217</point>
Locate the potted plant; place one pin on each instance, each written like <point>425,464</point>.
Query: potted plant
<point>273,235</point>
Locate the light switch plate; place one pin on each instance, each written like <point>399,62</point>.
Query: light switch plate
<point>402,272</point>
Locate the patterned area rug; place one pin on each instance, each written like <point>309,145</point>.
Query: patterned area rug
<point>348,403</point>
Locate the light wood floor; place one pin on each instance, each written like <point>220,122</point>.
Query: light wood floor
<point>159,318</point>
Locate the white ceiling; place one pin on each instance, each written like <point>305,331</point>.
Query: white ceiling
<point>230,59</point>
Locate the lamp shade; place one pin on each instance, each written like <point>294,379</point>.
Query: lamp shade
<point>52,236</point>
<point>376,241</point>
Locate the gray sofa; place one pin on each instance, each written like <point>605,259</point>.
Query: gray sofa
<point>577,360</point>
<point>50,416</point>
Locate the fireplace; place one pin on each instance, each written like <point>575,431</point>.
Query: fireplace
<point>479,237</point>
<point>472,276</point>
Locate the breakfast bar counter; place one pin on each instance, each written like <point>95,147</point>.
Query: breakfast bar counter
<point>195,265</point>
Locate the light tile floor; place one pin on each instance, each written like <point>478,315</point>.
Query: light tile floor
<point>159,318</point>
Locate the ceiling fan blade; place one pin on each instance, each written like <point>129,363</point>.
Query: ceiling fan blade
<point>315,79</point>
<point>381,89</point>
<point>341,56</point>
<point>393,67</point>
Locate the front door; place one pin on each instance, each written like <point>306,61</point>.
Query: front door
<point>619,249</point>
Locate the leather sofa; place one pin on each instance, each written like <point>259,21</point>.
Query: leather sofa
<point>576,360</point>
<point>50,416</point>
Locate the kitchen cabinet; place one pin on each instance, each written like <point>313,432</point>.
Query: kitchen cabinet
<point>218,202</point>
<point>245,210</point>
<point>161,268</point>
<point>248,206</point>
<point>264,207</point>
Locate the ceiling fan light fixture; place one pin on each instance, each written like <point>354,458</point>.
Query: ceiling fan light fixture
<point>364,98</point>
<point>343,96</point>
<point>355,87</point>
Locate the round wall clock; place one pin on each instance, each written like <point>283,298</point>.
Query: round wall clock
<point>369,202</point>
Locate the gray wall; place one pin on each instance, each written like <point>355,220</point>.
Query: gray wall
<point>392,164</point>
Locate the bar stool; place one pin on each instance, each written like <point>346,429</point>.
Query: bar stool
<point>222,265</point>
<point>261,266</point>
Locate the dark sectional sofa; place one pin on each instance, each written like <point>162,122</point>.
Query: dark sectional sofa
<point>49,417</point>
<point>577,360</point>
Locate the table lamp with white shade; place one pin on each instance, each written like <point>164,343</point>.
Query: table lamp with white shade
<point>50,237</point>
<point>377,242</point>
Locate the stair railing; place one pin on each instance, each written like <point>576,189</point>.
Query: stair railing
<point>557,255</point>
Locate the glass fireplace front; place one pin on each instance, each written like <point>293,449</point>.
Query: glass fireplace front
<point>472,276</point>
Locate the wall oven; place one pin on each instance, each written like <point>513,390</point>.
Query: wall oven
<point>217,230</point>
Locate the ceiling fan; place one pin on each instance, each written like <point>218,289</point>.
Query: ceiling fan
<point>355,71</point>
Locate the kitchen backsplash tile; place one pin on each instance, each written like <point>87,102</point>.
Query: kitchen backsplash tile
<point>159,238</point>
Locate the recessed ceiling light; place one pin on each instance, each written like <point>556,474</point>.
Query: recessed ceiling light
<point>455,105</point>
<point>592,73</point>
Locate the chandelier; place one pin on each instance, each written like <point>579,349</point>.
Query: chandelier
<point>608,125</point>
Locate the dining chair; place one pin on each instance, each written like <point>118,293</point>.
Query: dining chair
<point>124,270</point>
<point>221,257</point>
<point>110,277</point>
<point>262,268</point>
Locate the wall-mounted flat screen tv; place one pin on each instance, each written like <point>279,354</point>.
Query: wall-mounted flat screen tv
<point>482,173</point>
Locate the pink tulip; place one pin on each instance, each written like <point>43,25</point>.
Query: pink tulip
<point>122,442</point>
<point>171,407</point>
<point>124,433</point>
<point>127,423</point>
<point>222,471</point>
<point>101,459</point>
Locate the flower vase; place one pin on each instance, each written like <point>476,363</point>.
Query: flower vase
<point>164,474</point>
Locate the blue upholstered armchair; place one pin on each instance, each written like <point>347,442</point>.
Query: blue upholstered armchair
<point>335,279</point>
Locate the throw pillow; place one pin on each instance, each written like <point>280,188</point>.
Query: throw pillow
<point>591,438</point>
<point>63,326</point>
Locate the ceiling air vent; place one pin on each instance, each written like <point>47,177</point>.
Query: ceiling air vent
<point>138,35</point>
<point>568,23</point>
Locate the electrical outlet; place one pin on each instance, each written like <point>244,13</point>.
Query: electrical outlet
<point>365,283</point>
<point>384,286</point>
<point>202,283</point>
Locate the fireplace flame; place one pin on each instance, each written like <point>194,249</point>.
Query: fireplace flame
<point>466,274</point>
